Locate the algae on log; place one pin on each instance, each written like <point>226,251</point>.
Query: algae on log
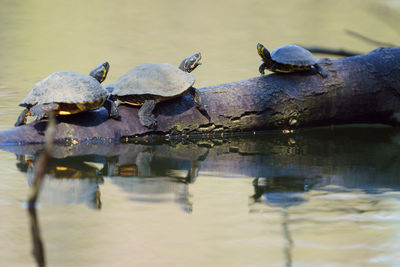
<point>359,89</point>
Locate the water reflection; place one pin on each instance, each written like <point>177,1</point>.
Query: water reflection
<point>69,180</point>
<point>316,177</point>
<point>284,191</point>
<point>284,167</point>
<point>148,173</point>
<point>38,250</point>
<point>153,176</point>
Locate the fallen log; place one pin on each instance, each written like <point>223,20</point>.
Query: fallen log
<point>359,89</point>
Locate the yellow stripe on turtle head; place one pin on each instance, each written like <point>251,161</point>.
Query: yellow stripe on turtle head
<point>104,73</point>
<point>260,51</point>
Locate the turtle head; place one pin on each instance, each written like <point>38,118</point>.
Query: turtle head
<point>191,62</point>
<point>264,53</point>
<point>100,72</point>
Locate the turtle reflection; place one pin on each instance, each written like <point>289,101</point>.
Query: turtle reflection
<point>152,177</point>
<point>148,173</point>
<point>283,191</point>
<point>69,180</point>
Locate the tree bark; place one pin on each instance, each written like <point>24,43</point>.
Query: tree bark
<point>359,89</point>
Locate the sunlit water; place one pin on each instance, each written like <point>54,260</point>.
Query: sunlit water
<point>321,197</point>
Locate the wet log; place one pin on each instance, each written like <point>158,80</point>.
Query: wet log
<point>359,89</point>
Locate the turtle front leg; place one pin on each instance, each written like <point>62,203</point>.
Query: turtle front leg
<point>262,68</point>
<point>145,114</point>
<point>22,117</point>
<point>41,111</point>
<point>199,104</point>
<point>112,109</point>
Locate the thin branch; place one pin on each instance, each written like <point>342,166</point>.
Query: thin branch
<point>41,169</point>
<point>43,161</point>
<point>369,40</point>
<point>327,51</point>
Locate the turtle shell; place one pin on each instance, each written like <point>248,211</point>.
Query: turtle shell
<point>65,87</point>
<point>293,54</point>
<point>159,79</point>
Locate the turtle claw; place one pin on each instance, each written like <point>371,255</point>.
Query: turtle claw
<point>145,114</point>
<point>149,121</point>
<point>112,109</point>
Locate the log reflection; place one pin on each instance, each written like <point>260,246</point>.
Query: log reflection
<point>359,157</point>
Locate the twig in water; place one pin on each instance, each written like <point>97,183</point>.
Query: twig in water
<point>41,169</point>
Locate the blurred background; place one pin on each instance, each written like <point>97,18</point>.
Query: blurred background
<point>41,37</point>
<point>323,209</point>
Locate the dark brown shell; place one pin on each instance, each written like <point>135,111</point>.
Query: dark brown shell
<point>293,54</point>
<point>65,87</point>
<point>160,79</point>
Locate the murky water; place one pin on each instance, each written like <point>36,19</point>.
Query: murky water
<point>321,197</point>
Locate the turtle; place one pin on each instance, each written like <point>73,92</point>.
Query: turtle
<point>289,58</point>
<point>151,83</point>
<point>67,92</point>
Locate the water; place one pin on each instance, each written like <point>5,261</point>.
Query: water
<point>320,197</point>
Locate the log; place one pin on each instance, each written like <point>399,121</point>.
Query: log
<point>359,89</point>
